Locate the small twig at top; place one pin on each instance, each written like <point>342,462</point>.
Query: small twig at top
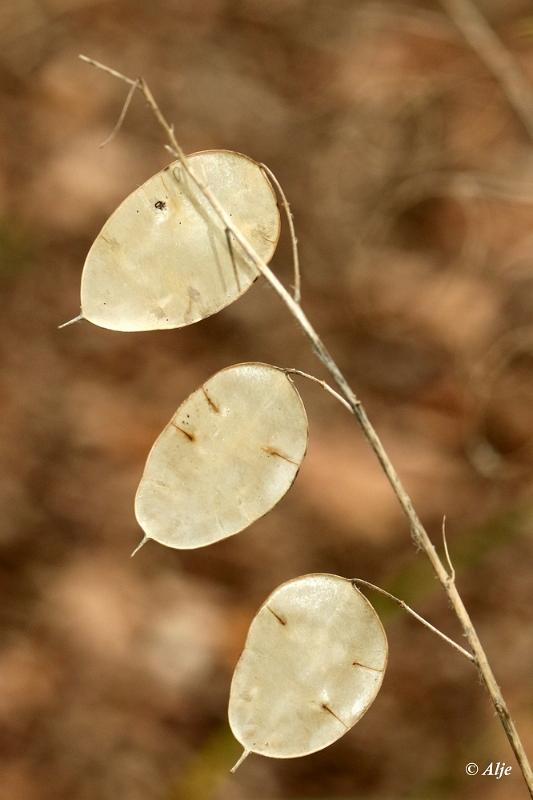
<point>122,115</point>
<point>432,628</point>
<point>109,70</point>
<point>294,241</point>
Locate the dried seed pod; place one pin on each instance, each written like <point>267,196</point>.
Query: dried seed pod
<point>163,259</point>
<point>228,455</point>
<point>312,665</point>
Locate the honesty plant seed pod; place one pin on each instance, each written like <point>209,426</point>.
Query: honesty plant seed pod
<point>312,665</point>
<point>163,259</point>
<point>228,455</point>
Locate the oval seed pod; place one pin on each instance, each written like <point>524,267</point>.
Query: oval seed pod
<point>312,665</point>
<point>163,259</point>
<point>228,455</point>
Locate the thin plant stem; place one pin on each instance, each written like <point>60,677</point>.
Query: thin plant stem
<point>297,294</point>
<point>418,532</point>
<point>122,115</point>
<point>320,382</point>
<point>447,552</point>
<point>402,604</point>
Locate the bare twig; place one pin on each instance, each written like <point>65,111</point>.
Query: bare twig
<point>418,532</point>
<point>122,115</point>
<point>490,49</point>
<point>110,71</point>
<point>294,241</point>
<point>465,653</point>
<point>447,552</point>
<point>322,383</point>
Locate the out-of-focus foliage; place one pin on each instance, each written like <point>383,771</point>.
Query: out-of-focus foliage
<point>410,180</point>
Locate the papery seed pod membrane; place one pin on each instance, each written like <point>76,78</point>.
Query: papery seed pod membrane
<point>312,665</point>
<point>163,259</point>
<point>228,455</point>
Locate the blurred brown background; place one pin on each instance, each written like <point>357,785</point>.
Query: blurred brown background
<point>411,181</point>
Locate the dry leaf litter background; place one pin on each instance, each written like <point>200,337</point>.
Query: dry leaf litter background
<point>411,183</point>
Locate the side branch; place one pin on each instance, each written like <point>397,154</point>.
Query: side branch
<point>413,613</point>
<point>294,241</point>
<point>321,383</point>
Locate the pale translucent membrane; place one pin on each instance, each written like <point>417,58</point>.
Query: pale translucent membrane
<point>162,259</point>
<point>313,663</point>
<point>229,454</point>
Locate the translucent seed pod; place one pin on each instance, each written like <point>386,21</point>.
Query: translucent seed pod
<point>229,454</point>
<point>312,665</point>
<point>164,259</point>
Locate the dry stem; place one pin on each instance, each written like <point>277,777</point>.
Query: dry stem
<point>294,241</point>
<point>418,532</point>
<point>122,116</point>
<point>322,383</point>
<point>402,604</point>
